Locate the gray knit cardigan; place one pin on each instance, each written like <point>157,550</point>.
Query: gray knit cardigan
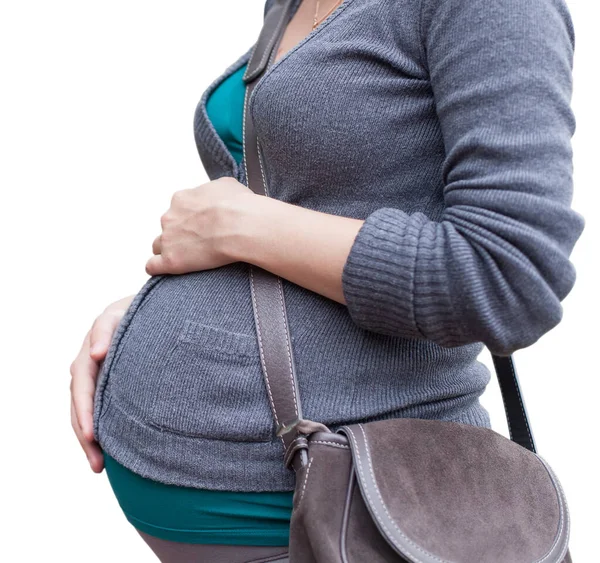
<point>446,125</point>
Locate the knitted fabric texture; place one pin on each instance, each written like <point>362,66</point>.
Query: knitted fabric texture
<point>446,125</point>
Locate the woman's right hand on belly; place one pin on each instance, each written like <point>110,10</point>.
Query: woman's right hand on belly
<point>84,372</point>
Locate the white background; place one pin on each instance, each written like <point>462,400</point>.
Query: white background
<point>95,135</point>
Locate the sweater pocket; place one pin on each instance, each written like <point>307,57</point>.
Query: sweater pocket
<point>211,386</point>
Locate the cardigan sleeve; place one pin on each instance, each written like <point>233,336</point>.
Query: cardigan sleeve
<point>495,267</point>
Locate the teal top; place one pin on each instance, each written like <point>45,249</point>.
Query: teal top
<point>191,515</point>
<point>185,514</point>
<point>225,108</point>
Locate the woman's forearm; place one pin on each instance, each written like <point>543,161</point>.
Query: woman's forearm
<point>306,247</point>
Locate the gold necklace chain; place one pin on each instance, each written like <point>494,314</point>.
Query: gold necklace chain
<point>316,19</point>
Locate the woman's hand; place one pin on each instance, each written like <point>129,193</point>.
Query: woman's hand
<point>84,371</point>
<point>224,221</point>
<point>200,227</point>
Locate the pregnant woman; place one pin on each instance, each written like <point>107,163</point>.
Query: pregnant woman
<point>418,159</point>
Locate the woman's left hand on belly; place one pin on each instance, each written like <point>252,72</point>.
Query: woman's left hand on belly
<point>223,221</point>
<point>200,227</point>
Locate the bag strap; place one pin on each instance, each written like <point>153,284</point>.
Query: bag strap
<point>514,404</point>
<point>268,301</point>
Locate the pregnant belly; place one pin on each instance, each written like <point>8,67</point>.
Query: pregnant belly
<point>185,358</point>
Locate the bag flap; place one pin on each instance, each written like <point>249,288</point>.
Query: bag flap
<point>442,492</point>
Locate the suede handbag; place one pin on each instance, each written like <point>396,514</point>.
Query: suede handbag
<point>401,490</point>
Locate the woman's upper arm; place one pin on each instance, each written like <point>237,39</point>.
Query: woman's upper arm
<point>496,266</point>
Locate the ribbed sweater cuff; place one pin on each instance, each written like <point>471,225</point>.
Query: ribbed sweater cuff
<point>395,281</point>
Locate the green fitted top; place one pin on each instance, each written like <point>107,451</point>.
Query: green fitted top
<point>192,515</point>
<point>225,108</point>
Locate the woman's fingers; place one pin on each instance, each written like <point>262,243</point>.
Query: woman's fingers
<point>90,447</point>
<point>158,265</point>
<point>84,371</point>
<point>102,332</point>
<point>157,245</point>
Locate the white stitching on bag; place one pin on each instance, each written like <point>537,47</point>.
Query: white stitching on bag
<point>378,516</point>
<point>262,355</point>
<point>287,336</point>
<point>383,504</point>
<point>287,345</point>
<point>244,134</point>
<point>556,483</point>
<point>262,170</point>
<point>334,444</point>
<point>305,481</point>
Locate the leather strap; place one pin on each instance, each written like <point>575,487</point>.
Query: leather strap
<point>514,403</point>
<point>268,299</point>
<point>274,25</point>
